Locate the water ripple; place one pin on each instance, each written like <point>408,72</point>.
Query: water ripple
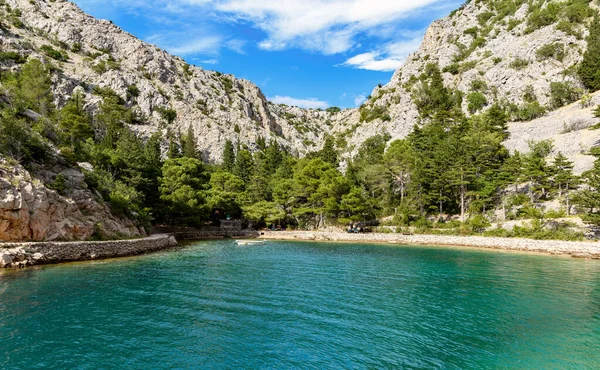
<point>304,305</point>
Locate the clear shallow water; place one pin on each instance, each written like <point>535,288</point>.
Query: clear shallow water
<point>215,305</point>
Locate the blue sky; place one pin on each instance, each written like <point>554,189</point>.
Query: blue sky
<point>309,53</point>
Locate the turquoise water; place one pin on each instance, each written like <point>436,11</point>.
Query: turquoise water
<point>215,305</point>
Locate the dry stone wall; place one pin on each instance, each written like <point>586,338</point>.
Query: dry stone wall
<point>29,254</point>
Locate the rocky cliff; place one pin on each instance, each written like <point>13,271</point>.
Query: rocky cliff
<point>509,52</point>
<point>95,52</point>
<point>31,211</point>
<point>521,55</point>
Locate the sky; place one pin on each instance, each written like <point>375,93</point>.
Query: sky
<point>307,53</point>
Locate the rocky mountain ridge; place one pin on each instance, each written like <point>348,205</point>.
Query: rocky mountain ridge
<point>93,53</point>
<point>490,51</point>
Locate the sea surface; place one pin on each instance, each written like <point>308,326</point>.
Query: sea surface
<point>293,305</point>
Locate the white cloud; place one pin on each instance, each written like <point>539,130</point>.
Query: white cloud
<point>302,103</point>
<point>325,26</point>
<point>322,26</point>
<point>359,99</point>
<point>203,45</point>
<point>389,58</point>
<point>209,61</point>
<point>236,45</point>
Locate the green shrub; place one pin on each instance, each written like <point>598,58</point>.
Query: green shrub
<point>478,42</point>
<point>578,11</point>
<point>512,24</point>
<point>422,223</point>
<point>333,110</point>
<point>54,54</point>
<point>59,184</point>
<point>563,93</point>
<point>529,111</point>
<point>529,94</point>
<point>107,93</point>
<point>543,17</point>
<point>473,31</point>
<point>467,66</point>
<point>555,50</point>
<point>452,68</point>
<point>519,64</point>
<point>589,68</point>
<point>476,101</point>
<point>370,114</point>
<point>478,223</point>
<point>569,29</point>
<point>484,17</point>
<point>132,92</point>
<point>76,47</point>
<point>478,85</point>
<point>18,141</point>
<point>14,56</point>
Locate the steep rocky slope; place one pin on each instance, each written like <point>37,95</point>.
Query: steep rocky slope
<point>31,211</point>
<point>498,50</point>
<point>97,53</point>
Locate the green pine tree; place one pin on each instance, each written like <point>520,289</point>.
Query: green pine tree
<point>228,156</point>
<point>244,166</point>
<point>189,147</point>
<point>589,69</point>
<point>328,153</point>
<point>564,179</point>
<point>588,198</point>
<point>273,158</point>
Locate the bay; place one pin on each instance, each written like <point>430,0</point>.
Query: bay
<point>284,305</point>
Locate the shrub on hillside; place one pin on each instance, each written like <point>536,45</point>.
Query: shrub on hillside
<point>476,101</point>
<point>555,50</point>
<point>563,93</point>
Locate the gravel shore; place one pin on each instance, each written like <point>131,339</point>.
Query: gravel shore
<point>554,247</point>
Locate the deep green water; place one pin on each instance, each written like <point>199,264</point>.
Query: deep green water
<point>215,305</point>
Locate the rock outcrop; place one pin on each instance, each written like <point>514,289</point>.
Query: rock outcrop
<point>31,211</point>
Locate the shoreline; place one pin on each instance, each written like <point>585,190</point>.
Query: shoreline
<point>589,250</point>
<point>24,254</point>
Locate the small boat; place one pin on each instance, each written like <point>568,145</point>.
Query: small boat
<point>250,242</point>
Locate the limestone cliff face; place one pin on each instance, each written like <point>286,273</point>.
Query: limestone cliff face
<point>487,46</point>
<point>499,56</point>
<point>219,107</point>
<point>29,211</point>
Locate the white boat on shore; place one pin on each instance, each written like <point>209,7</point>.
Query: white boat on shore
<point>250,242</point>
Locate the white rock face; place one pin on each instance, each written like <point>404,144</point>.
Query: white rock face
<point>490,63</point>
<point>30,211</point>
<point>219,107</point>
<point>222,107</point>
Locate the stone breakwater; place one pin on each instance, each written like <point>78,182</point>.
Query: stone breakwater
<point>555,247</point>
<point>29,254</point>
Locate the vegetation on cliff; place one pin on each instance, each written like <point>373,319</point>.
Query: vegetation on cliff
<point>449,164</point>
<point>453,162</point>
